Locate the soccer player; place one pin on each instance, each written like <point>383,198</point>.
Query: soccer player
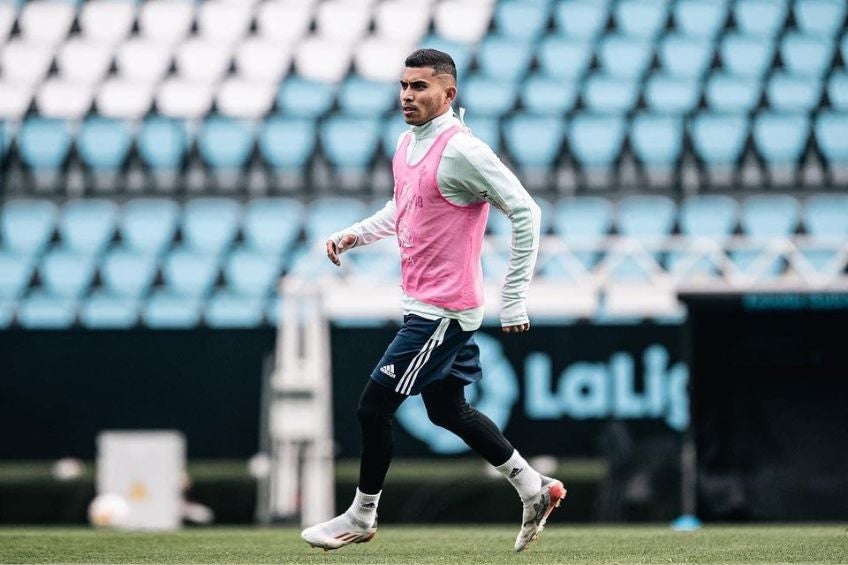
<point>445,180</point>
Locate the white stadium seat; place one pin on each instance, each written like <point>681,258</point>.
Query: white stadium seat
<point>166,21</point>
<point>381,59</point>
<point>322,59</point>
<point>462,20</point>
<point>25,62</point>
<point>58,98</point>
<point>83,60</point>
<point>46,22</point>
<point>262,60</point>
<point>182,99</point>
<point>283,21</point>
<point>15,98</point>
<point>143,60</point>
<point>341,20</point>
<point>107,21</point>
<point>402,20</point>
<point>123,98</point>
<point>241,98</point>
<point>8,13</point>
<point>224,21</point>
<point>201,60</point>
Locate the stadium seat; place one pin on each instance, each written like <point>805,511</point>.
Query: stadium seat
<point>605,94</point>
<point>107,23</point>
<point>188,273</point>
<point>343,22</point>
<point>581,18</point>
<point>769,216</point>
<point>202,60</point>
<point>262,60</point>
<point>760,18</point>
<point>596,140</point>
<point>657,139</point>
<point>710,216</point>
<point>283,22</point>
<point>503,58</point>
<point>244,98</point>
<point>228,310</point>
<point>548,96</point>
<point>781,138</point>
<point>837,90</point>
<point>380,58</point>
<point>699,18</point>
<point>26,225</point>
<point>43,143</point>
<point>46,22</point>
<point>59,98</point>
<point>808,56</point>
<point>148,225</point>
<point>746,56</point>
<point>15,274</point>
<point>15,99</point>
<point>225,143</point>
<point>87,226</point>
<point>66,273</point>
<point>274,309</point>
<point>223,22</point>
<point>582,221</point>
<point>167,310</point>
<point>487,129</point>
<point>300,97</point>
<point>830,135</point>
<point>463,21</point>
<point>826,216</point>
<point>322,59</point>
<point>684,56</point>
<point>41,310</point>
<point>287,143</point>
<point>24,61</point>
<point>358,96</point>
<point>641,18</point>
<point>791,93</point>
<point>349,143</point>
<point>164,22</point>
<point>489,96</point>
<point>462,53</point>
<point>271,225</point>
<point>127,274</point>
<point>402,20</point>
<point>719,138</point>
<point>648,219</point>
<point>142,60</point>
<point>564,58</point>
<point>85,61</point>
<point>728,93</point>
<point>534,141</point>
<point>162,142</point>
<point>104,143</point>
<point>673,95</point>
<point>392,128</point>
<point>521,19</point>
<point>179,98</point>
<point>101,310</point>
<point>329,214</point>
<point>251,273</point>
<point>822,18</point>
<point>209,225</point>
<point>625,57</point>
<point>123,98</point>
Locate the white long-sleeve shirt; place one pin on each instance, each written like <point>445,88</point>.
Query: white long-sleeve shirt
<point>469,172</point>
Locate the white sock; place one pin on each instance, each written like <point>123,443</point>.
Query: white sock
<point>526,480</point>
<point>364,507</point>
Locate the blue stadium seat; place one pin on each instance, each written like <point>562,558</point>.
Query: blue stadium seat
<point>26,225</point>
<point>65,273</point>
<point>657,139</point>
<point>167,310</point>
<point>805,55</point>
<point>271,225</point>
<point>287,143</point>
<point>147,225</point>
<point>504,58</point>
<point>487,129</point>
<point>684,56</point>
<point>564,58</point>
<point>225,143</point>
<point>606,94</point>
<point>581,18</point>
<point>534,141</point>
<point>189,274</point>
<point>791,93</point>
<point>209,225</point>
<point>826,216</point>
<point>746,56</point>
<point>489,96</point>
<point>673,95</point>
<point>41,310</point>
<point>362,97</point>
<point>625,57</point>
<point>327,215</point>
<point>710,216</point>
<point>781,138</point>
<point>302,98</point>
<point>596,140</point>
<point>87,226</point>
<point>162,142</point>
<point>391,129</point>
<point>700,18</point>
<point>760,18</point>
<point>43,143</point>
<point>719,138</point>
<point>104,311</point>
<point>461,53</point>
<point>228,310</point>
<point>548,96</point>
<point>582,221</point>
<point>309,262</point>
<point>830,135</point>
<point>15,274</point>
<point>521,19</point>
<point>823,18</point>
<point>769,216</point>
<point>350,143</point>
<point>126,274</point>
<point>641,18</point>
<point>729,93</point>
<point>837,90</point>
<point>251,273</point>
<point>648,218</point>
<point>103,143</point>
<point>274,309</point>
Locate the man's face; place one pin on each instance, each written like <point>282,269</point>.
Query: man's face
<point>424,95</point>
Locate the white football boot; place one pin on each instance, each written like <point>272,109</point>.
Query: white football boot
<point>338,532</point>
<point>537,509</point>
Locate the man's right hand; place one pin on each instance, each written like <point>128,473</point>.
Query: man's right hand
<point>335,249</point>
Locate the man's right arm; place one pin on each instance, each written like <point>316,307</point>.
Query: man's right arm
<point>374,228</point>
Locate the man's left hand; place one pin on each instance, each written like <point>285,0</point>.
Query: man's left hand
<point>516,329</point>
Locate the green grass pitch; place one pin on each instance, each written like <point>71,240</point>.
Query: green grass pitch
<point>465,544</point>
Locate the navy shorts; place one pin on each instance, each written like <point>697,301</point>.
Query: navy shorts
<point>426,351</point>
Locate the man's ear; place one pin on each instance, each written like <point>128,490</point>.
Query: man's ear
<point>450,94</point>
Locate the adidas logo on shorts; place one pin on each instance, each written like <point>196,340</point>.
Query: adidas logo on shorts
<point>388,370</point>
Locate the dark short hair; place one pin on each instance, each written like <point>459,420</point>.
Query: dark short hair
<point>441,62</point>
